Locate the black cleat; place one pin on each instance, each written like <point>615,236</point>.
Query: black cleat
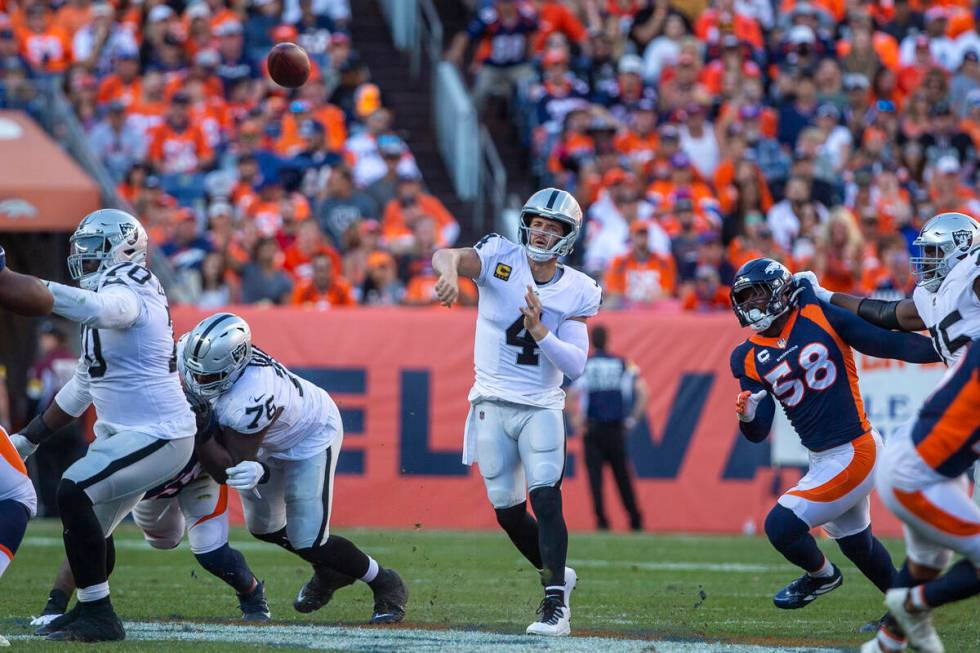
<point>802,591</point>
<point>873,626</point>
<point>253,604</point>
<point>318,591</point>
<point>96,622</point>
<point>390,597</point>
<point>59,622</point>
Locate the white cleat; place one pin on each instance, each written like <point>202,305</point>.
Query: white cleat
<point>921,634</point>
<point>44,619</point>
<point>571,580</point>
<point>553,621</point>
<point>3,641</point>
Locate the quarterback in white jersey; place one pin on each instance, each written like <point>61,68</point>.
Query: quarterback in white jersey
<point>144,428</point>
<point>277,443</point>
<point>530,332</point>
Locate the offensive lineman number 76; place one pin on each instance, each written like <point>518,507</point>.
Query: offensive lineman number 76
<point>270,410</point>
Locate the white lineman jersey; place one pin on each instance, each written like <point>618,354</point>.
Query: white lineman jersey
<point>509,365</point>
<point>131,374</point>
<point>952,313</point>
<point>308,424</point>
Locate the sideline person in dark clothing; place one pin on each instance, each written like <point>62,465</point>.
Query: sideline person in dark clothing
<point>612,398</point>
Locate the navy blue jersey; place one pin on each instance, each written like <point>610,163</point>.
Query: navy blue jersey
<point>607,387</point>
<point>809,368</point>
<point>946,433</point>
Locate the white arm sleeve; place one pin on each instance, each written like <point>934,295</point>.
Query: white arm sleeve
<point>113,307</point>
<point>74,397</point>
<point>568,350</point>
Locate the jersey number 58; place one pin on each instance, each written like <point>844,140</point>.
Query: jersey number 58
<point>819,374</point>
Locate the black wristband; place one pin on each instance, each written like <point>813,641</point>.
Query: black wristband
<point>265,473</point>
<point>37,431</point>
<point>879,312</point>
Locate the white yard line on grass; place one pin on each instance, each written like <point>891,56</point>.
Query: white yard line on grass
<point>41,541</point>
<point>404,640</point>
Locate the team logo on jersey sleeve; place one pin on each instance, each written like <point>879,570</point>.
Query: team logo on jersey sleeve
<point>502,271</point>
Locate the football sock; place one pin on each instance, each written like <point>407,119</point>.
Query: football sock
<point>84,542</point>
<point>824,572</point>
<point>960,582</point>
<point>870,556</point>
<point>339,554</point>
<point>372,572</point>
<point>93,592</point>
<point>110,556</point>
<point>229,565</point>
<point>552,534</point>
<point>791,536</point>
<point>13,523</point>
<point>522,530</point>
<point>903,577</point>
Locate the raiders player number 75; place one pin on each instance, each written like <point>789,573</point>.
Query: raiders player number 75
<point>530,331</point>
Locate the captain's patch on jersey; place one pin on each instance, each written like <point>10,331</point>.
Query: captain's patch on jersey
<point>502,271</point>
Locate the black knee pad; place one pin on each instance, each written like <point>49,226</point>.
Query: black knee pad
<point>546,502</point>
<point>513,517</point>
<point>782,526</point>
<point>71,499</point>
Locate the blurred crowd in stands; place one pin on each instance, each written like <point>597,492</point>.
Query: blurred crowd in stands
<point>696,134</point>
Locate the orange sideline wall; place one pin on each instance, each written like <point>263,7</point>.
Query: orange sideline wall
<point>401,377</point>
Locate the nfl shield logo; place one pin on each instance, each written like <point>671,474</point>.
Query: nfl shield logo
<point>781,342</point>
<point>482,414</point>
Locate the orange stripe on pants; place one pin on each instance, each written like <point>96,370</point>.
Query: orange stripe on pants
<point>218,509</point>
<point>849,478</point>
<point>917,504</point>
<point>9,453</point>
<point>7,552</point>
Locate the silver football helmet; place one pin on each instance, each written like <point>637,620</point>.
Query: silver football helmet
<point>943,242</point>
<point>553,204</point>
<point>103,239</point>
<point>215,354</point>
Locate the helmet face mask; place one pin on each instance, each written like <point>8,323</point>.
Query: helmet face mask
<point>942,243</point>
<point>762,292</point>
<point>103,239</point>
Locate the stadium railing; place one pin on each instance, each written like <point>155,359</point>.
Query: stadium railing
<point>464,143</point>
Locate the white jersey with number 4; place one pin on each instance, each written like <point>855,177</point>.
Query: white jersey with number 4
<point>952,313</point>
<point>509,365</point>
<point>131,374</point>
<point>310,420</point>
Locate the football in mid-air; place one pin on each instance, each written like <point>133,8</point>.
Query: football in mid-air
<point>289,65</point>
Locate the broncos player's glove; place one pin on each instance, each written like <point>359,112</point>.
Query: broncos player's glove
<point>3,259</point>
<point>746,403</point>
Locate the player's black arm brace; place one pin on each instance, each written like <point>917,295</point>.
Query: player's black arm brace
<point>898,315</point>
<point>879,342</point>
<point>46,424</point>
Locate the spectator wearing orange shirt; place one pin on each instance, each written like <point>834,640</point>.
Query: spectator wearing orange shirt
<point>639,277</point>
<point>381,286</point>
<point>721,19</point>
<point>706,294</point>
<point>409,202</point>
<point>74,15</point>
<point>125,84</point>
<point>325,289</point>
<point>45,47</point>
<point>177,146</point>
<point>308,246</point>
<point>555,17</point>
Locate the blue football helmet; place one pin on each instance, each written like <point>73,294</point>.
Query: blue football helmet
<point>762,291</point>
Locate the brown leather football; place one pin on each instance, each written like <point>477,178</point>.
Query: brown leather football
<point>288,65</point>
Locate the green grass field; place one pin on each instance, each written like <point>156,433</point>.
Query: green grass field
<point>647,587</point>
